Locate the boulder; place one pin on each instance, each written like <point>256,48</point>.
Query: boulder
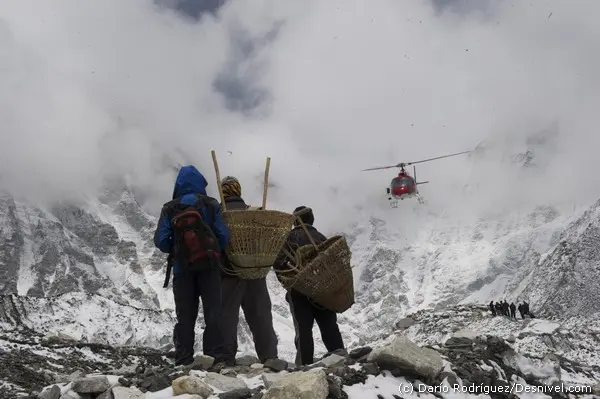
<point>403,324</point>
<point>404,355</point>
<point>332,360</point>
<point>300,385</point>
<point>224,383</point>
<point>336,390</point>
<point>242,393</point>
<point>271,378</point>
<point>246,360</point>
<point>106,395</point>
<point>203,362</point>
<point>276,364</point>
<point>360,352</point>
<point>459,341</point>
<point>94,385</point>
<point>127,393</point>
<point>52,393</point>
<point>191,385</point>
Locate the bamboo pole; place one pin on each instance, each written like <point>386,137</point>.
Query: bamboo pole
<point>266,184</point>
<point>214,157</point>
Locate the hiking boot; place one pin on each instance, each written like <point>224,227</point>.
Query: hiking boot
<point>218,366</point>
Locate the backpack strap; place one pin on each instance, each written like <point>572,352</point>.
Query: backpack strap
<point>169,267</point>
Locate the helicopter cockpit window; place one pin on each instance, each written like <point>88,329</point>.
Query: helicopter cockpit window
<point>404,182</point>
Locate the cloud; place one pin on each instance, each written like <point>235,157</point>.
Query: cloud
<point>94,90</point>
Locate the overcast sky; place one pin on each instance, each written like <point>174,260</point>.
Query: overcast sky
<point>90,90</point>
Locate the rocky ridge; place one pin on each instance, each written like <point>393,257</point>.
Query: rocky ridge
<point>454,361</point>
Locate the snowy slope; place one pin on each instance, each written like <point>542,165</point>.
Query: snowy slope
<point>406,259</point>
<point>105,247</point>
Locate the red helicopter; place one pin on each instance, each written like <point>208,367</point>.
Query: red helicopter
<point>404,185</point>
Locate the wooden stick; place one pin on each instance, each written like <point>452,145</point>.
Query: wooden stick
<point>266,185</point>
<point>298,214</point>
<point>214,157</point>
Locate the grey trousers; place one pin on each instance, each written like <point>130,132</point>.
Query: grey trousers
<point>253,297</point>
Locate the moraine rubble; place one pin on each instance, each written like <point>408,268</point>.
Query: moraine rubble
<point>401,366</point>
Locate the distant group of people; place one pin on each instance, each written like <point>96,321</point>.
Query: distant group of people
<point>193,232</point>
<point>503,308</point>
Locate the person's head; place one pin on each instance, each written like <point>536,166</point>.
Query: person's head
<point>231,187</point>
<point>189,181</point>
<point>307,218</point>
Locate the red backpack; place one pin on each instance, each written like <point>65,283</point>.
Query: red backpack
<point>196,246</point>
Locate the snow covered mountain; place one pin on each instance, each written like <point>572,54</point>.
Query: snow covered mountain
<point>81,256</point>
<point>97,258</point>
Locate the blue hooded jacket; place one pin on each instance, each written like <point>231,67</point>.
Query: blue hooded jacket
<point>190,182</point>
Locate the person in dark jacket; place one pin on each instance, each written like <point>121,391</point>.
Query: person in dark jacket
<point>498,308</point>
<point>526,309</point>
<point>492,308</point>
<point>505,308</point>
<point>188,287</point>
<point>520,309</point>
<point>304,310</point>
<point>513,309</point>
<point>251,295</point>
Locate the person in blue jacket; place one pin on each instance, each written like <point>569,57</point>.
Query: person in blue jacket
<point>189,285</point>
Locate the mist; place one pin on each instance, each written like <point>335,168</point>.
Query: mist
<point>90,91</point>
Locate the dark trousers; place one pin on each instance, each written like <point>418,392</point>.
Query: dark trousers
<point>188,288</point>
<point>253,297</point>
<point>305,313</point>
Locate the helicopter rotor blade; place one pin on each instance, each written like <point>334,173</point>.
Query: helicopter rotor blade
<point>443,156</point>
<point>381,167</point>
<point>403,164</point>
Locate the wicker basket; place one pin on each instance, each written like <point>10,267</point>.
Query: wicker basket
<point>257,237</point>
<point>326,276</point>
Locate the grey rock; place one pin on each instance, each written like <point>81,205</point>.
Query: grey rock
<point>371,368</point>
<point>223,382</point>
<point>459,341</point>
<point>230,372</point>
<point>300,385</point>
<point>95,385</point>
<point>127,393</point>
<point>52,393</point>
<point>276,364</point>
<point>405,355</point>
<point>405,323</point>
<point>360,352</point>
<point>335,388</point>
<point>155,383</point>
<point>242,393</point>
<point>332,360</point>
<point>452,378</point>
<point>203,362</point>
<point>271,378</point>
<point>246,360</point>
<point>106,395</point>
<point>191,385</point>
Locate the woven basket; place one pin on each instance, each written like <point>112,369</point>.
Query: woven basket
<point>326,276</point>
<point>257,237</point>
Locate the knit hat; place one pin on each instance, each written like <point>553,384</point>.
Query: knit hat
<point>231,187</point>
<point>307,218</point>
